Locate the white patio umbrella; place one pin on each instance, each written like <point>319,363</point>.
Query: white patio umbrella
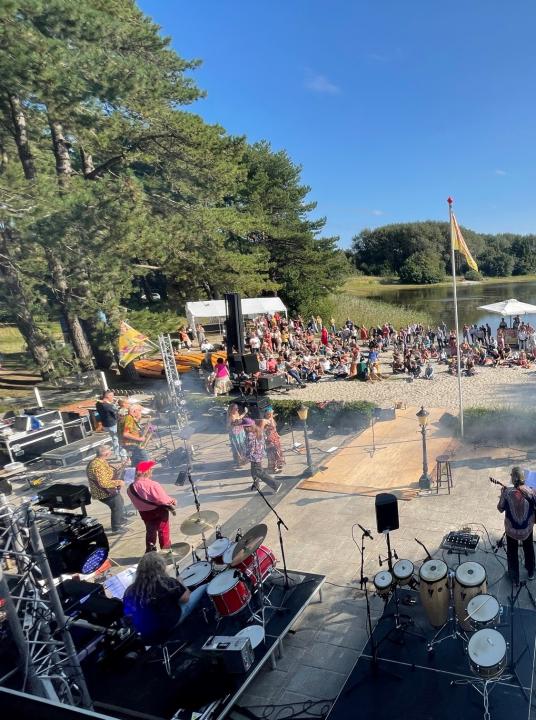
<point>510,307</point>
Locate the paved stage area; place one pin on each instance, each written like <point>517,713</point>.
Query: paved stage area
<point>323,536</point>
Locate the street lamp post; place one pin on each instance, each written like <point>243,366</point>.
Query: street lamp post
<point>425,480</point>
<point>303,411</point>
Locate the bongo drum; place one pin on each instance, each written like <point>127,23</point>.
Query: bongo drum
<point>469,581</point>
<point>483,611</point>
<point>434,591</point>
<point>383,582</point>
<point>403,571</point>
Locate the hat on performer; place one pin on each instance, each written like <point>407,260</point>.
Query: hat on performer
<point>145,466</point>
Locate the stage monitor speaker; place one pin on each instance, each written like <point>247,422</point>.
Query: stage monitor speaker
<point>236,364</point>
<point>386,512</point>
<point>256,406</point>
<point>234,324</point>
<point>66,496</point>
<point>251,363</point>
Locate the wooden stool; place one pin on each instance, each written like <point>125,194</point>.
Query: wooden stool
<point>443,472</point>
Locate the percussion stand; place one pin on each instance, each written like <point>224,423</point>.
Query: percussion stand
<point>452,621</point>
<point>280,524</point>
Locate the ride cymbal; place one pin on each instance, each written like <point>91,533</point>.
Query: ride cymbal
<point>249,543</point>
<point>200,522</point>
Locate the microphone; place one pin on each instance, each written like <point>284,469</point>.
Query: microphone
<point>238,535</point>
<point>366,533</point>
<point>218,532</point>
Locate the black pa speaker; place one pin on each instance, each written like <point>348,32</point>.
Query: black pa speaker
<point>250,363</point>
<point>234,332</point>
<point>386,512</point>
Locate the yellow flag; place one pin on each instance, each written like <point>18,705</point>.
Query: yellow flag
<point>459,244</point>
<point>132,344</point>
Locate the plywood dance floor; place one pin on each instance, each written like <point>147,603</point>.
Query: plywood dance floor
<point>391,461</point>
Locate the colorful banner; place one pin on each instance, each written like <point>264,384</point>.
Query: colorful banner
<point>132,344</point>
<point>459,244</point>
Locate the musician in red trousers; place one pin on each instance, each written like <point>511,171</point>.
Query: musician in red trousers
<point>518,503</point>
<point>153,504</point>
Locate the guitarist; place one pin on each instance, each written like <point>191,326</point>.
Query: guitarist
<point>153,504</point>
<point>518,503</point>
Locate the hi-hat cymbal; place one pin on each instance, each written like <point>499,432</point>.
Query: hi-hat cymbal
<point>200,522</point>
<point>249,543</point>
<point>179,549</point>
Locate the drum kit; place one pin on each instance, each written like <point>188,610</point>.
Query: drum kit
<point>457,602</point>
<point>235,572</point>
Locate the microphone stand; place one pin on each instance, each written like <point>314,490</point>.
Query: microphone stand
<point>280,523</point>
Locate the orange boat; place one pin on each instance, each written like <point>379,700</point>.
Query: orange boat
<point>185,362</point>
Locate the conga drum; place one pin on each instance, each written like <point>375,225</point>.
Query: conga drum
<point>434,591</point>
<point>469,581</point>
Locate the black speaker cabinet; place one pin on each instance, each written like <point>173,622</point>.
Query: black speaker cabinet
<point>386,512</point>
<point>234,324</point>
<point>270,382</point>
<point>251,363</point>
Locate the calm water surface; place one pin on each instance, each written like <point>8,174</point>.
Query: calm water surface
<point>438,302</point>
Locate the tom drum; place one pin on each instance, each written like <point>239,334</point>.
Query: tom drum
<point>483,611</point>
<point>228,593</point>
<point>487,653</point>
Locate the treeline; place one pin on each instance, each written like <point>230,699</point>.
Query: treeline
<point>420,252</point>
<point>105,171</point>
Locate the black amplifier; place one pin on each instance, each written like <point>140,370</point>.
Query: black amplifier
<point>235,652</point>
<point>270,382</point>
<point>66,496</point>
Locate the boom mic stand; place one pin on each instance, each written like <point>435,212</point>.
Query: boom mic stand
<point>280,524</point>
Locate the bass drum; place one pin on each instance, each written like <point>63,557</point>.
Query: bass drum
<point>469,581</point>
<point>487,653</point>
<point>434,591</point>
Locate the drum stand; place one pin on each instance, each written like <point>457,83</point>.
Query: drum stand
<point>483,688</point>
<point>452,621</point>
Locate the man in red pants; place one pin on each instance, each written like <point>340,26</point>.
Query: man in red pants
<point>153,504</point>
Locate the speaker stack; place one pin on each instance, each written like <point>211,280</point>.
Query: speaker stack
<point>234,325</point>
<point>386,506</point>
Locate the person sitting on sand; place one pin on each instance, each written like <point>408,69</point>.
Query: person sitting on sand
<point>429,372</point>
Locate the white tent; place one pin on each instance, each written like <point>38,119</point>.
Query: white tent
<point>510,307</point>
<point>213,311</point>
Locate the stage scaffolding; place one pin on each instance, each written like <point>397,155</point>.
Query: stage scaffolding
<point>48,664</point>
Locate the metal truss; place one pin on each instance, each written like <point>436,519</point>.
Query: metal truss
<point>48,661</point>
<point>178,402</point>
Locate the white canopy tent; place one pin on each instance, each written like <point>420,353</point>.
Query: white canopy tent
<point>213,311</point>
<point>510,307</point>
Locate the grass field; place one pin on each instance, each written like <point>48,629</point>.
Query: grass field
<point>370,312</point>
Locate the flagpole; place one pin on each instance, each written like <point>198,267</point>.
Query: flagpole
<point>458,359</point>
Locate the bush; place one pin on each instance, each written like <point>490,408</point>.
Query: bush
<point>422,268</point>
<point>504,425</point>
<point>473,275</point>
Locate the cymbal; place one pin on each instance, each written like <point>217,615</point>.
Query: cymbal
<point>179,549</point>
<point>249,543</point>
<point>200,522</point>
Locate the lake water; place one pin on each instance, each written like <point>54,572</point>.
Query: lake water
<point>438,301</point>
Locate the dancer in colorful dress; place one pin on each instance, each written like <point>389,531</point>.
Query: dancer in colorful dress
<point>237,434</point>
<point>274,451</point>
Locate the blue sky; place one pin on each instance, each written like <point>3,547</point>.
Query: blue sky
<point>389,106</point>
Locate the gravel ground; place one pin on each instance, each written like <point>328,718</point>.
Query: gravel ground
<point>490,386</point>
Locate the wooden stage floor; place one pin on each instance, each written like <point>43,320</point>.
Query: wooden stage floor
<point>391,461</point>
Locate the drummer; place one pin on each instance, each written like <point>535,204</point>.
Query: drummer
<point>518,503</point>
<point>158,603</point>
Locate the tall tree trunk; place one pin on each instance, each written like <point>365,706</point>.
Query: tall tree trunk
<point>20,135</point>
<point>76,331</point>
<point>88,166</point>
<point>60,147</point>
<point>11,279</point>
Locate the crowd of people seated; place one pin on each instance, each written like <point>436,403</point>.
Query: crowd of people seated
<point>314,350</point>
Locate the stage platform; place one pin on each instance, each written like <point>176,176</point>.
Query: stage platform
<point>138,687</point>
<point>408,681</point>
<point>357,468</point>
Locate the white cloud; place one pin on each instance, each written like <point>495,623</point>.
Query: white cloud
<point>500,172</point>
<point>377,212</point>
<point>321,84</point>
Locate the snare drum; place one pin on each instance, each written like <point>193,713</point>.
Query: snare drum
<point>469,581</point>
<point>403,571</point>
<point>196,574</point>
<point>228,553</point>
<point>383,582</point>
<point>434,591</point>
<point>483,611</point>
<point>487,653</point>
<point>228,593</point>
